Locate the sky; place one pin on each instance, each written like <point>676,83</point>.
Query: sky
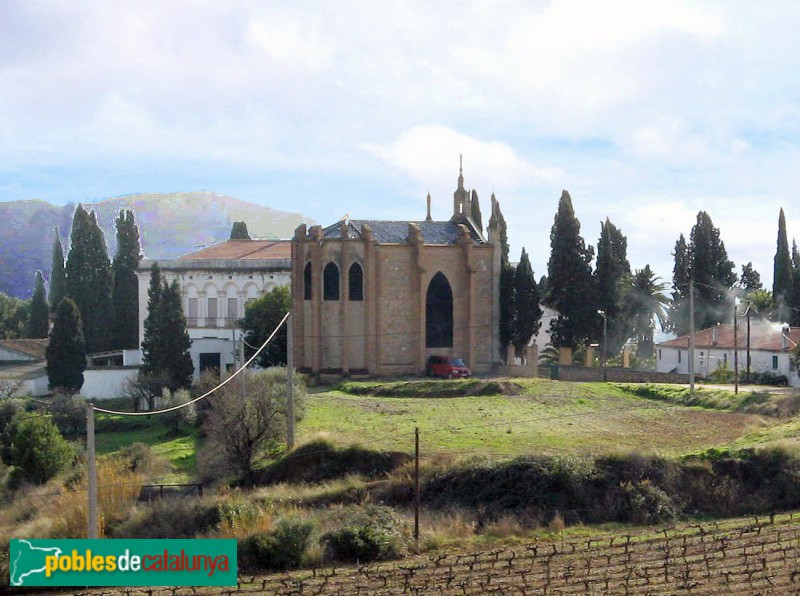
<point>646,112</point>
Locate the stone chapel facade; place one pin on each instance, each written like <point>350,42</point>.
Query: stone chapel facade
<point>380,297</point>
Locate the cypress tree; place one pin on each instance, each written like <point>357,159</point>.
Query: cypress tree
<point>66,350</point>
<point>569,275</point>
<point>612,279</point>
<point>89,279</point>
<point>527,312</point>
<point>39,321</point>
<point>712,273</point>
<point>58,276</point>
<point>498,222</point>
<point>125,295</point>
<point>475,211</point>
<point>239,231</point>
<point>166,344</point>
<point>152,360</point>
<point>782,274</point>
<point>794,301</point>
<point>679,308</point>
<point>175,338</point>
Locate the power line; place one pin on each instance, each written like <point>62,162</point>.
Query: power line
<point>206,394</point>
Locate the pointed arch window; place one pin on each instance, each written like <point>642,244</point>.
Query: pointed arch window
<point>439,313</point>
<point>330,282</point>
<point>307,282</point>
<point>356,281</point>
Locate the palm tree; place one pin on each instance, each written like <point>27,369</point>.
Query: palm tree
<point>646,302</point>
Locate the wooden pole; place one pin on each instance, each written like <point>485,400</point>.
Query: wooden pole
<point>416,489</point>
<point>289,384</point>
<point>92,465</point>
<point>691,336</point>
<point>735,351</point>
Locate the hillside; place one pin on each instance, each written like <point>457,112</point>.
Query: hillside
<point>170,225</point>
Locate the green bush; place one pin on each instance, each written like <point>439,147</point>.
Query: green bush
<point>369,535</point>
<point>36,449</point>
<point>283,548</point>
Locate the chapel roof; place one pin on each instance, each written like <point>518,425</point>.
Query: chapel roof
<point>396,232</point>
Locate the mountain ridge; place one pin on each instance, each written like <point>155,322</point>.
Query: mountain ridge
<point>170,225</point>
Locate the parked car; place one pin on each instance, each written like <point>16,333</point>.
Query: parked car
<point>446,367</point>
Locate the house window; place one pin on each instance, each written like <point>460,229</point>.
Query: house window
<point>356,278</point>
<point>212,308</point>
<point>330,282</point>
<point>775,363</point>
<point>233,308</point>
<point>659,353</point>
<point>307,282</point>
<point>192,308</point>
<point>679,356</point>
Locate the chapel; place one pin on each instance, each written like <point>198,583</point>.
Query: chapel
<point>374,297</point>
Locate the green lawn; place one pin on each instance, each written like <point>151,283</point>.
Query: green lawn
<point>117,432</point>
<point>551,417</point>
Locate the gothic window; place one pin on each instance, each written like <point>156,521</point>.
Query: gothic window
<point>307,282</point>
<point>439,313</point>
<point>330,282</point>
<point>356,278</point>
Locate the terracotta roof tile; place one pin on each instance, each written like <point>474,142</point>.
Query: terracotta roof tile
<point>763,336</point>
<point>31,347</point>
<point>243,250</point>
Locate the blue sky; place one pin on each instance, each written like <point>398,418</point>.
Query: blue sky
<point>645,111</point>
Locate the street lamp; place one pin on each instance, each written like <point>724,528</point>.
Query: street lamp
<point>602,313</point>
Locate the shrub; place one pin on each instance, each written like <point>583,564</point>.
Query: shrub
<point>369,535</point>
<point>182,418</point>
<point>647,504</point>
<point>69,413</point>
<point>170,518</point>
<point>283,548</point>
<point>36,449</point>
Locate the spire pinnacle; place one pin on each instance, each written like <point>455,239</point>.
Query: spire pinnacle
<point>428,218</point>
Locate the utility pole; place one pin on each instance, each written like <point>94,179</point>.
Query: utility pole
<point>735,349</point>
<point>243,374</point>
<point>416,488</point>
<point>691,336</point>
<point>92,465</point>
<point>749,304</point>
<point>289,383</point>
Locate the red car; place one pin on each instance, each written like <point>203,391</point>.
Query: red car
<point>446,367</point>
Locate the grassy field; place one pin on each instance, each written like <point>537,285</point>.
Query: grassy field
<point>179,449</point>
<point>548,417</point>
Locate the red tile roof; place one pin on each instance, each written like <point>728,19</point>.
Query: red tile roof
<point>234,250</point>
<point>763,336</point>
<point>31,347</point>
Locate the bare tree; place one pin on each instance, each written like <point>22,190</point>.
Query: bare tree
<point>10,386</point>
<point>247,428</point>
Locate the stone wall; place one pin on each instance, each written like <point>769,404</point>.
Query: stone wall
<point>618,375</point>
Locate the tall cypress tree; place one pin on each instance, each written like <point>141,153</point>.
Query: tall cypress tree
<point>569,275</point>
<point>58,276</point>
<point>782,274</point>
<point>679,307</point>
<point>152,359</point>
<point>166,344</point>
<point>527,312</point>
<point>125,295</point>
<point>89,279</point>
<point>497,221</point>
<point>66,350</point>
<point>712,272</point>
<point>612,280</point>
<point>175,338</point>
<point>794,301</point>
<point>475,211</point>
<point>39,321</point>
